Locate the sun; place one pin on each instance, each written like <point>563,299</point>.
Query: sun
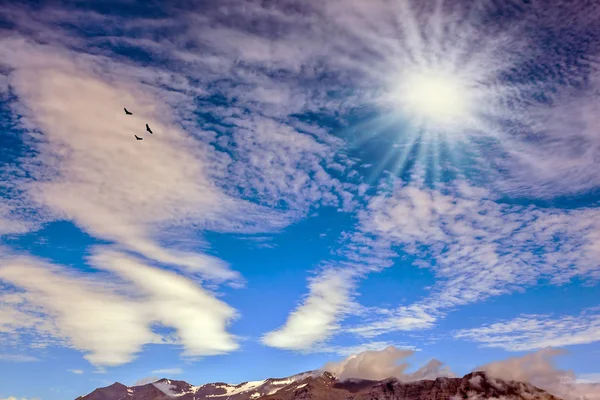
<point>434,98</point>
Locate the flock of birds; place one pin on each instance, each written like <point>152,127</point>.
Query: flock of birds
<point>147,127</point>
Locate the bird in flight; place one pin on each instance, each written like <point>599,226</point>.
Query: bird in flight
<point>148,129</point>
<point>127,112</point>
<point>138,138</point>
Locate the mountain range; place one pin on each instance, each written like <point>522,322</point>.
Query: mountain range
<point>317,385</point>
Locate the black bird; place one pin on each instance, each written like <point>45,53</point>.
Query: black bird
<point>148,129</point>
<point>138,138</point>
<point>127,112</point>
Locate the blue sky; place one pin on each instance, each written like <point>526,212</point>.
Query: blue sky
<point>323,180</point>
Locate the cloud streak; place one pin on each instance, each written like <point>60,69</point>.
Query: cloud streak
<point>531,332</point>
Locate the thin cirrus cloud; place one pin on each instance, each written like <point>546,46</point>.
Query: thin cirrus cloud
<point>479,246</point>
<point>531,332</point>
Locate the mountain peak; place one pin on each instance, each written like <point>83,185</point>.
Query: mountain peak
<point>324,385</point>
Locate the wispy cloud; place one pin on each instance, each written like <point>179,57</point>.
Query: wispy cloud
<point>245,173</point>
<point>531,332</point>
<point>479,246</point>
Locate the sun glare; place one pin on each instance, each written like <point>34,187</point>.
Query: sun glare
<point>442,92</point>
<point>433,98</point>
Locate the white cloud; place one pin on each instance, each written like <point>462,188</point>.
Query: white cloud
<point>315,319</point>
<point>562,160</point>
<point>531,332</point>
<point>403,39</point>
<point>383,364</point>
<point>10,223</point>
<point>198,316</point>
<point>560,156</point>
<point>168,371</point>
<point>76,310</point>
<point>274,163</point>
<point>274,159</point>
<point>76,371</point>
<point>535,367</point>
<point>109,316</point>
<point>87,144</point>
<point>90,170</point>
<point>477,246</point>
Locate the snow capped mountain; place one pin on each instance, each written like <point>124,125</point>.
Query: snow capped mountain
<point>324,385</point>
<point>169,388</point>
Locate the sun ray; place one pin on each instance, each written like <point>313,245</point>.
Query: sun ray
<point>446,82</point>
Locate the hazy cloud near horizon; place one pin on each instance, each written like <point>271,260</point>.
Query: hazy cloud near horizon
<point>382,364</point>
<point>536,368</point>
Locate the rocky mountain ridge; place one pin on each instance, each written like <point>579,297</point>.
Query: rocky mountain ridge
<point>317,385</point>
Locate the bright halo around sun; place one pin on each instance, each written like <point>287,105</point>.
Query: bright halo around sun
<point>436,96</point>
<point>445,74</point>
<point>435,99</point>
<point>446,91</point>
